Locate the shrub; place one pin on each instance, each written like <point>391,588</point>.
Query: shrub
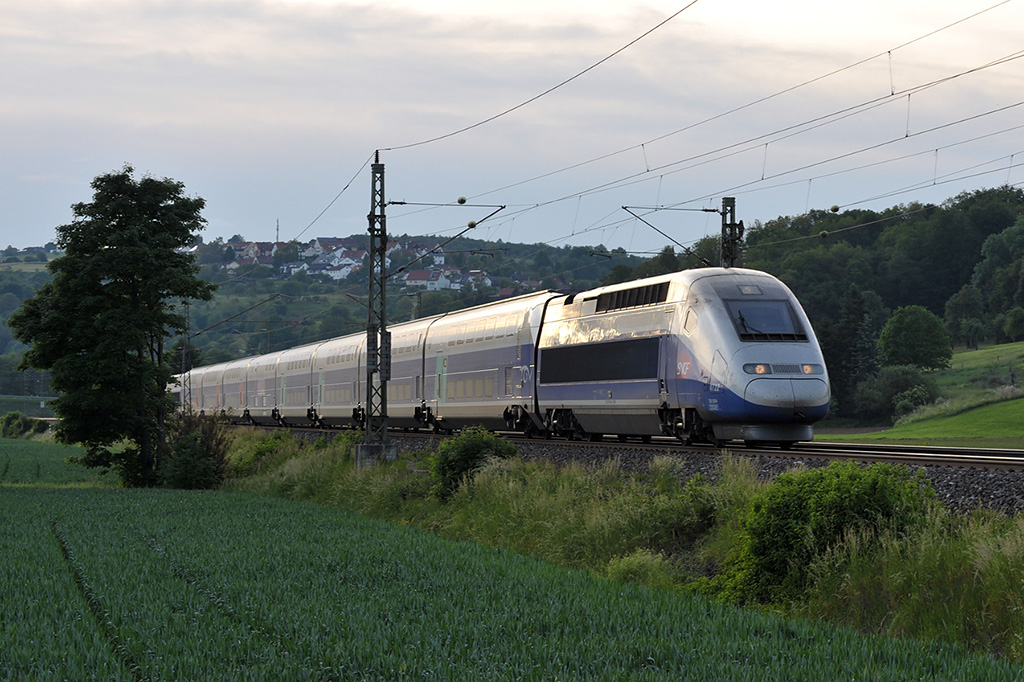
<point>643,567</point>
<point>197,454</point>
<point>16,425</point>
<point>461,456</point>
<point>252,452</point>
<point>892,389</point>
<point>803,514</point>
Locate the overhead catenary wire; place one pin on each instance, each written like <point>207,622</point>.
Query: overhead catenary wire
<point>546,92</point>
<point>621,182</point>
<point>579,195</point>
<point>786,132</point>
<point>747,105</point>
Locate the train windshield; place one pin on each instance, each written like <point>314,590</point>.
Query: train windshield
<point>765,320</point>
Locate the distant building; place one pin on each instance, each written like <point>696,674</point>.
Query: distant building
<point>430,280</point>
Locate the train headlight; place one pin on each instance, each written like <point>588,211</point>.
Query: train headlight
<point>757,368</point>
<point>812,369</point>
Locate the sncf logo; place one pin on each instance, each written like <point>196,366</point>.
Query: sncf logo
<point>684,363</point>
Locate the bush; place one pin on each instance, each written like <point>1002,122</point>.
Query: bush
<point>803,514</point>
<point>643,567</point>
<point>16,425</point>
<point>197,454</point>
<point>461,456</point>
<point>893,389</point>
<point>252,451</point>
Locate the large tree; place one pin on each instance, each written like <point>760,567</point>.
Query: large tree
<point>915,336</point>
<point>101,323</point>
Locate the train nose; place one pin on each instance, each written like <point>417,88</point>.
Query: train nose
<point>806,396</point>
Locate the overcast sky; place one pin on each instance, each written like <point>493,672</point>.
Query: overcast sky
<point>268,109</point>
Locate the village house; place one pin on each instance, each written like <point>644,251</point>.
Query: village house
<point>430,280</point>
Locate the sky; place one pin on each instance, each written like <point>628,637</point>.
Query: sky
<point>270,110</point>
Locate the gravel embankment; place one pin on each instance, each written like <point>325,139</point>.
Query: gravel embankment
<point>960,489</point>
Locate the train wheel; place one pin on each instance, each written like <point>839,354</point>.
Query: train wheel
<point>596,437</point>
<point>786,444</point>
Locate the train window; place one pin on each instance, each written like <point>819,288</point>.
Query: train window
<point>612,361</point>
<point>690,323</point>
<point>761,320</point>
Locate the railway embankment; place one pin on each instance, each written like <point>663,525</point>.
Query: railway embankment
<point>961,489</point>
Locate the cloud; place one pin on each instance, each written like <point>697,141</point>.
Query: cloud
<point>267,109</point>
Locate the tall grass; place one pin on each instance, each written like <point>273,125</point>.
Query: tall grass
<point>952,579</point>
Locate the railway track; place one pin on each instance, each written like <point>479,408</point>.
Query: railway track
<point>917,455</point>
<point>923,455</point>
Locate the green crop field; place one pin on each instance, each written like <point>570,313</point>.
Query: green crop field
<point>108,583</point>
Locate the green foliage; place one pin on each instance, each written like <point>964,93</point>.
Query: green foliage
<point>645,568</point>
<point>197,453</point>
<point>804,514</point>
<point>893,392</point>
<point>964,316</point>
<point>950,578</point>
<point>851,345</point>
<point>461,456</point>
<point>915,336</point>
<point>100,325</point>
<point>252,452</point>
<point>16,425</point>
<point>1013,323</point>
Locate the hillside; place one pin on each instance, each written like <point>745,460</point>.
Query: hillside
<point>981,405</point>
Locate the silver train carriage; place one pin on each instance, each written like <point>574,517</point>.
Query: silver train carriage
<point>705,355</point>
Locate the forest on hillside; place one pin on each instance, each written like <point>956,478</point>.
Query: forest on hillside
<point>957,264</point>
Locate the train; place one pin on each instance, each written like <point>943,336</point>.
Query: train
<point>708,355</point>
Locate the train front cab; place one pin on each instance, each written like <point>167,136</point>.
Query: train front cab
<point>748,365</point>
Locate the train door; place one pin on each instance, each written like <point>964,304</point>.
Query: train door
<point>713,386</point>
<point>441,385</point>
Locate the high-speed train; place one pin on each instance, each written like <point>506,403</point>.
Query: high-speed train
<point>705,355</point>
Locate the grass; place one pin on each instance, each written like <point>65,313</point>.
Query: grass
<point>974,373</point>
<point>112,583</point>
<point>1000,425</point>
<point>978,408</point>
